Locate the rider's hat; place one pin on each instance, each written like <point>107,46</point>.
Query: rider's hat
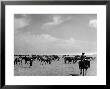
<point>83,53</point>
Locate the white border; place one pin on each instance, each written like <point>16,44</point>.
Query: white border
<point>100,79</point>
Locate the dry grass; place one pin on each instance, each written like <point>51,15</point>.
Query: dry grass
<point>57,68</point>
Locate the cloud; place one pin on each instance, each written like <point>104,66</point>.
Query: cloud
<point>21,22</point>
<point>32,39</point>
<point>47,37</point>
<point>66,43</point>
<point>70,40</point>
<point>92,53</point>
<point>41,43</point>
<point>93,23</point>
<point>56,20</point>
<point>48,44</point>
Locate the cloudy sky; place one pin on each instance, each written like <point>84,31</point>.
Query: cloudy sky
<point>55,33</point>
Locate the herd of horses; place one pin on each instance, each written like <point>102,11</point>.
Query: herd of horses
<point>48,59</point>
<point>43,59</point>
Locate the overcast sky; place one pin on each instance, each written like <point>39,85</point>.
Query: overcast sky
<point>55,33</point>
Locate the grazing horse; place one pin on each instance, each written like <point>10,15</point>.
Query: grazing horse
<point>55,57</point>
<point>71,59</point>
<point>76,58</point>
<point>68,59</point>
<point>17,60</point>
<point>48,61</point>
<point>28,60</point>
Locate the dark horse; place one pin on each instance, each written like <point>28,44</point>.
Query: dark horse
<point>18,61</point>
<point>71,59</point>
<point>83,66</point>
<point>28,59</point>
<point>68,59</point>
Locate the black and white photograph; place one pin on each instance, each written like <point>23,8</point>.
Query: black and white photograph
<point>55,45</point>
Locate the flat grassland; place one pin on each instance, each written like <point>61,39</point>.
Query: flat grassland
<point>56,68</point>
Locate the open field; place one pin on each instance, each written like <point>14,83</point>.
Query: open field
<point>56,68</point>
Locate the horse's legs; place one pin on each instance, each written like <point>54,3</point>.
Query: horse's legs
<point>65,61</point>
<point>49,62</point>
<point>83,72</point>
<point>21,62</point>
<point>25,61</point>
<point>68,62</point>
<point>80,71</point>
<point>15,62</point>
<point>30,63</point>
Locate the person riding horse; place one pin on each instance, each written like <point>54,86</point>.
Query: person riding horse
<point>83,57</point>
<point>82,63</point>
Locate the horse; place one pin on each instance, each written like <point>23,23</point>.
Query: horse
<point>55,57</point>
<point>28,60</point>
<point>17,60</point>
<point>76,58</point>
<point>83,66</point>
<point>68,59</point>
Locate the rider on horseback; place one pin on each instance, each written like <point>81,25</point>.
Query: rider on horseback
<point>83,57</point>
<point>81,63</point>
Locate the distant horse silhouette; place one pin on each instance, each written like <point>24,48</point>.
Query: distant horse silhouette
<point>68,60</point>
<point>71,59</point>
<point>18,61</point>
<point>28,60</point>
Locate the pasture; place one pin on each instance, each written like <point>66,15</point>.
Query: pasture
<point>55,68</point>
